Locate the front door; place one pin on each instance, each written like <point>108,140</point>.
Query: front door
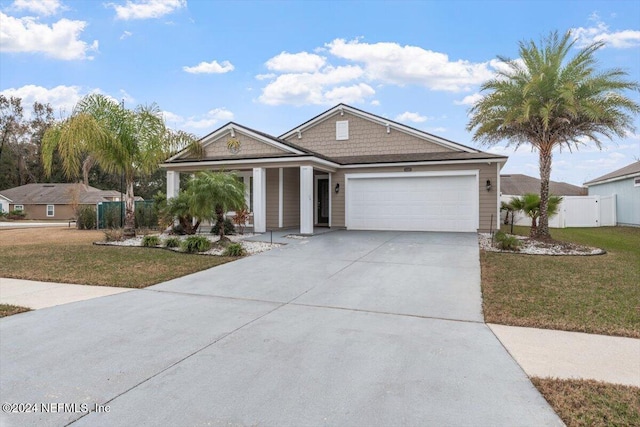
<point>323,201</point>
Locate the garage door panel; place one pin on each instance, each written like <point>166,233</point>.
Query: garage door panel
<point>419,203</point>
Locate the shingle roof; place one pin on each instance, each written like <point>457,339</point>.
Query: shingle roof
<point>57,194</point>
<point>518,184</point>
<point>633,168</point>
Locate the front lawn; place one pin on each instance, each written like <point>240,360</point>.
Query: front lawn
<point>591,403</point>
<point>594,294</point>
<point>68,256</point>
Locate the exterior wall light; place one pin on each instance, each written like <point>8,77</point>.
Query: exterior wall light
<point>488,185</point>
<point>337,189</point>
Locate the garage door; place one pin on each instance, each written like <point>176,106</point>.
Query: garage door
<point>412,203</point>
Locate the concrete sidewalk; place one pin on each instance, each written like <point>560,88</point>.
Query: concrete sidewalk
<point>572,355</point>
<point>540,352</point>
<point>35,295</point>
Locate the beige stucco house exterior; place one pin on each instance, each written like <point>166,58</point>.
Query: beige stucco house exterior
<point>347,168</point>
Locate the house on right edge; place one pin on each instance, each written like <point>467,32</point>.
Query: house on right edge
<point>625,184</point>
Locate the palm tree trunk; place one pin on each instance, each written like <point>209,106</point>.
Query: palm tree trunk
<point>220,221</point>
<point>87,164</point>
<point>542,232</point>
<point>129,213</point>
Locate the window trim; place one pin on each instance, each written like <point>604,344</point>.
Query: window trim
<point>636,181</point>
<point>18,207</point>
<point>53,211</point>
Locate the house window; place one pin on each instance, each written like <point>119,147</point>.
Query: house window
<point>18,207</point>
<point>50,210</point>
<point>342,130</point>
<point>636,182</point>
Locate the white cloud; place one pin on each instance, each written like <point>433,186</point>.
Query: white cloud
<point>210,68</point>
<point>600,33</point>
<point>61,98</point>
<point>322,87</point>
<point>375,103</point>
<point>126,34</point>
<point>268,76</point>
<point>469,99</point>
<point>439,129</point>
<point>60,40</point>
<point>302,62</point>
<point>197,123</point>
<point>39,7</point>
<point>146,9</point>
<point>400,65</point>
<point>408,116</point>
<point>126,97</point>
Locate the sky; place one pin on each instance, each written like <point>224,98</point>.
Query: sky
<point>273,65</point>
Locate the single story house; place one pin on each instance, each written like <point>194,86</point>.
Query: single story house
<point>514,185</point>
<point>625,184</point>
<point>55,201</point>
<point>348,168</point>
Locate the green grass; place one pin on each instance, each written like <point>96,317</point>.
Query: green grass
<point>10,310</point>
<point>68,256</point>
<point>582,403</point>
<point>594,294</point>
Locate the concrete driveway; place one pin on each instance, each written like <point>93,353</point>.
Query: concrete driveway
<point>345,328</point>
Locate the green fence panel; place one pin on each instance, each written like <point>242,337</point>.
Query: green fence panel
<point>111,214</point>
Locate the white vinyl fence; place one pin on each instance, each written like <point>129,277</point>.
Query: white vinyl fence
<point>575,211</point>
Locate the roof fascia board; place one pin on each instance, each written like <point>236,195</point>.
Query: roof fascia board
<point>615,178</point>
<point>381,121</point>
<point>253,161</point>
<point>424,163</point>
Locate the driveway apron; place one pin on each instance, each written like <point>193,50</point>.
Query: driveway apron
<point>346,328</point>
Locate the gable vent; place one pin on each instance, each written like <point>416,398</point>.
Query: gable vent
<point>342,130</point>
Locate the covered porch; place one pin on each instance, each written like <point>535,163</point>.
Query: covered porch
<point>281,195</point>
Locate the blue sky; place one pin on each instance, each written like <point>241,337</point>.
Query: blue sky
<point>274,65</point>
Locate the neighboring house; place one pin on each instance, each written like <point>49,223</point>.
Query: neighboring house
<point>351,169</point>
<point>516,185</point>
<point>625,184</point>
<point>519,184</point>
<point>55,201</point>
<point>4,203</point>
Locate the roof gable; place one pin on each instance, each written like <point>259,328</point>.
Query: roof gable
<point>57,193</point>
<point>387,125</point>
<point>251,142</point>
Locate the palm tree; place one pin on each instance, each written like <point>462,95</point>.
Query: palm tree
<point>549,100</point>
<point>130,142</point>
<point>215,193</point>
<point>530,204</point>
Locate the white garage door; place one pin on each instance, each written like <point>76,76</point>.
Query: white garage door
<point>412,203</point>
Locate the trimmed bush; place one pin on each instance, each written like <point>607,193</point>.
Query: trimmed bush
<point>172,242</point>
<point>193,244</point>
<point>86,217</point>
<point>229,228</point>
<point>150,241</point>
<point>16,214</point>
<point>234,249</point>
<point>506,242</point>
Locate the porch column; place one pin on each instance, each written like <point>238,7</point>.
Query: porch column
<point>306,200</point>
<point>259,200</point>
<point>173,184</point>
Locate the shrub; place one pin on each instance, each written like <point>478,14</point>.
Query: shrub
<point>16,214</point>
<point>506,242</point>
<point>229,228</point>
<point>150,241</point>
<point>86,217</point>
<point>3,214</point>
<point>194,244</point>
<point>234,249</point>
<point>172,242</point>
<point>112,214</point>
<point>113,234</point>
<point>241,219</point>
